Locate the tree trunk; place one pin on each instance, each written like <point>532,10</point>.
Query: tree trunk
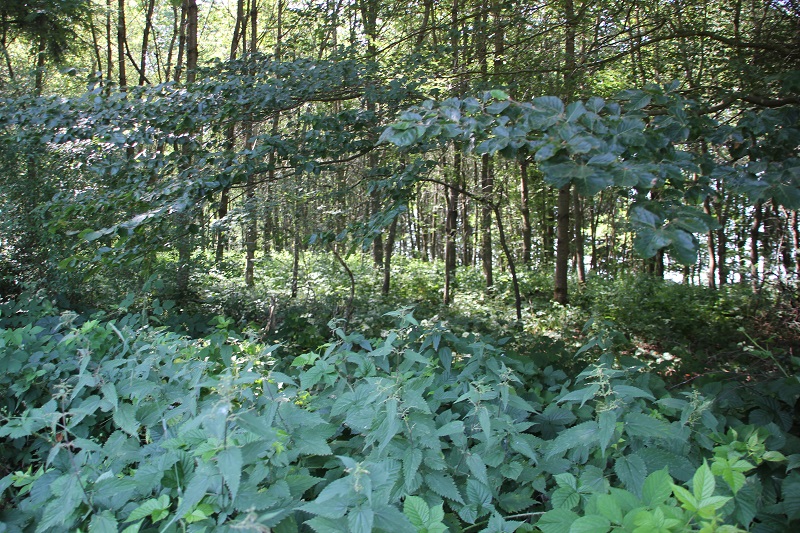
<point>184,219</point>
<point>560,293</point>
<point>579,251</point>
<point>122,38</point>
<point>758,214</point>
<point>387,257</point>
<point>451,223</point>
<point>148,24</point>
<point>487,186</point>
<point>525,211</point>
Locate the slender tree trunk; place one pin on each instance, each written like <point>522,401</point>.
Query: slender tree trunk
<point>721,206</point>
<point>185,217</point>
<point>387,257</point>
<point>251,233</point>
<point>96,48</point>
<point>560,293</point>
<point>525,211</point>
<point>451,223</point>
<point>510,258</point>
<point>795,244</point>
<point>109,48</point>
<point>122,39</point>
<point>579,251</point>
<point>222,237</point>
<point>40,62</point>
<point>712,260</point>
<point>487,186</point>
<point>758,214</point>
<point>148,24</point>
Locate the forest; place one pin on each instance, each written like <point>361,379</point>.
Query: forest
<point>343,266</point>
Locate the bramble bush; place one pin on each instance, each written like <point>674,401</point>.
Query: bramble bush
<point>116,424</point>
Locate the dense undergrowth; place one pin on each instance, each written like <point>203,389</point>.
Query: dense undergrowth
<point>242,409</point>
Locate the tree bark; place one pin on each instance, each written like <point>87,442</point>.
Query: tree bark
<point>148,24</point>
<point>525,211</point>
<point>758,214</point>
<point>560,293</point>
<point>579,251</point>
<point>122,38</point>
<point>487,186</point>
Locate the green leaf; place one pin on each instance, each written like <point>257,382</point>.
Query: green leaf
<point>657,488</point>
<point>609,508</point>
<point>444,486</point>
<point>703,482</point>
<point>125,418</point>
<point>417,511</point>
<point>360,520</point>
<point>477,467</point>
<point>229,461</point>
<point>790,491</point>
<point>685,497</point>
<point>583,434</point>
<point>631,470</point>
<point>151,507</point>
<point>557,521</point>
<point>641,425</point>
<point>590,524</point>
<point>565,498</point>
<point>581,395</point>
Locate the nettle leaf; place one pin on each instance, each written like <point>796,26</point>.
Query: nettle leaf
<point>641,425</point>
<point>631,470</point>
<point>516,501</point>
<point>322,524</point>
<point>583,434</point>
<point>229,462</point>
<point>581,395</point>
<point>790,491</point>
<point>444,486</point>
<point>125,417</point>
<point>104,522</point>
<point>477,467</point>
<point>360,520</point>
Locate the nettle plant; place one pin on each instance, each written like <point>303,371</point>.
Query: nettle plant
<point>117,425</point>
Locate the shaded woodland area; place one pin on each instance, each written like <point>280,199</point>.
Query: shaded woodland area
<point>358,265</point>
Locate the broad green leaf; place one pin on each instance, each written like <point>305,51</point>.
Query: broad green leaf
<point>631,470</point>
<point>581,395</point>
<point>703,482</point>
<point>149,508</point>
<point>417,511</point>
<point>565,498</point>
<point>477,467</point>
<point>557,521</point>
<point>444,486</point>
<point>609,508</point>
<point>590,524</point>
<point>360,520</point>
<point>125,418</point>
<point>583,434</point>
<point>657,488</point>
<point>641,425</point>
<point>685,497</point>
<point>229,462</point>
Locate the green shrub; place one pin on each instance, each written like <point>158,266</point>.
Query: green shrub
<point>119,425</point>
